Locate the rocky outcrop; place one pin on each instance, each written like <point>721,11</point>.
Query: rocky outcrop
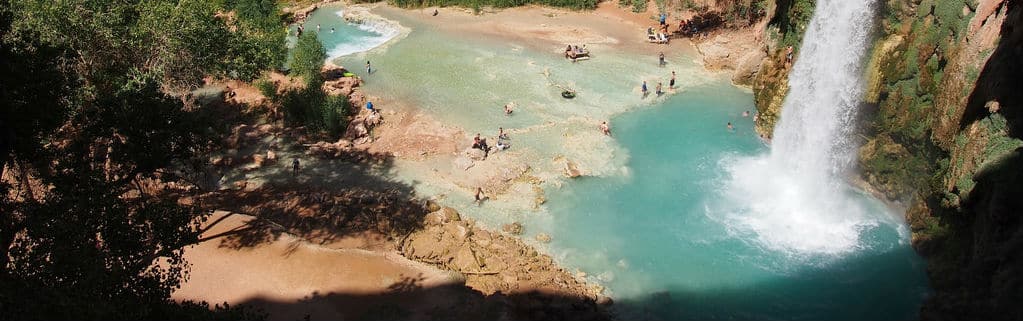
<point>743,56</point>
<point>493,262</point>
<point>788,20</point>
<point>769,89</point>
<point>944,135</point>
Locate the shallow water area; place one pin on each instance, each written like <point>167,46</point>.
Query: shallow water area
<point>663,216</point>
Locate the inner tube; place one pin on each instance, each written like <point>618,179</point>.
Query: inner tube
<point>568,94</point>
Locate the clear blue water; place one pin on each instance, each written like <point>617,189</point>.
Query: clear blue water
<point>651,232</point>
<point>651,237</point>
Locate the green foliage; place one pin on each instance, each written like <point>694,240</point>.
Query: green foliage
<point>314,109</point>
<point>95,95</point>
<point>307,58</point>
<point>745,11</point>
<point>792,19</point>
<point>638,6</point>
<point>310,106</point>
<point>999,142</point>
<point>180,41</point>
<point>267,88</point>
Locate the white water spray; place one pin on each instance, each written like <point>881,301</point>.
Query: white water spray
<point>795,199</point>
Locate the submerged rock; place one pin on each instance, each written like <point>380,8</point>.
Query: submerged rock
<point>513,228</point>
<point>543,237</point>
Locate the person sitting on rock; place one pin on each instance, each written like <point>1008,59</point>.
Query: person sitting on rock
<point>605,128</point>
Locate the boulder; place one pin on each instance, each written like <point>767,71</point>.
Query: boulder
<point>748,67</point>
<point>543,238</point>
<point>357,129</point>
<point>464,260</point>
<point>513,228</point>
<point>271,157</point>
<point>434,218</point>
<point>571,170</point>
<point>715,56</point>
<point>450,214</point>
<point>432,206</point>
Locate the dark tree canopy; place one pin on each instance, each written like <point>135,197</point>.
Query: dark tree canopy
<point>93,103</point>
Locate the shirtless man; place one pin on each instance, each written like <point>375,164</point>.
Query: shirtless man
<point>605,128</point>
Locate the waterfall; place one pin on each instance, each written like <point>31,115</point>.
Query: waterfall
<point>795,199</point>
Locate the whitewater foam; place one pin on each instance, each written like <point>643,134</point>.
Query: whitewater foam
<point>794,199</point>
<point>381,30</point>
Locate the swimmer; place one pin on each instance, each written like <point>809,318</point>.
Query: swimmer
<point>508,110</point>
<point>745,114</point>
<point>730,127</point>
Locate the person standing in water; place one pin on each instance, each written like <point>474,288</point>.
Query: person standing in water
<point>294,167</point>
<point>480,196</point>
<point>659,91</point>
<point>369,69</point>
<point>661,59</point>
<point>671,83</point>
<point>643,89</point>
<point>317,27</point>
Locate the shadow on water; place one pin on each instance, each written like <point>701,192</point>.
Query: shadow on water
<point>795,296</point>
<point>408,299</point>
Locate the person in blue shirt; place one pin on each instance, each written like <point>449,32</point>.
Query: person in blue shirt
<point>664,19</point>
<point>644,88</point>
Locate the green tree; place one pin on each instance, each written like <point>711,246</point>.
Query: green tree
<point>93,104</point>
<point>307,58</point>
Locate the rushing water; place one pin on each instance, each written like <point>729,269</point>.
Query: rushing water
<point>684,219</point>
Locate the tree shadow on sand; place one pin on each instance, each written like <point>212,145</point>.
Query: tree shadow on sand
<point>324,202</point>
<point>408,300</point>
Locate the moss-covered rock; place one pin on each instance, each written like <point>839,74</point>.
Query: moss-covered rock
<point>770,85</point>
<point>945,136</point>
